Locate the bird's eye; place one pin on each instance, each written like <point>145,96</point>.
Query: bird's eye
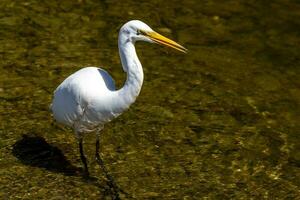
<point>138,32</point>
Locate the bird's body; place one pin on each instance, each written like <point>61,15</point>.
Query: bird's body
<point>79,104</point>
<point>87,99</point>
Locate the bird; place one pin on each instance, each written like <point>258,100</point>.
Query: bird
<point>88,99</point>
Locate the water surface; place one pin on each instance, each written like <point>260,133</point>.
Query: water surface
<point>221,122</point>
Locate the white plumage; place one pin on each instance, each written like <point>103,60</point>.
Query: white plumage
<point>87,99</point>
<point>81,105</point>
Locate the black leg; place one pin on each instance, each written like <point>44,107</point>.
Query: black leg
<point>111,181</point>
<point>83,159</point>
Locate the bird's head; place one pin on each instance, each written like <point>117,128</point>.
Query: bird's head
<point>136,30</point>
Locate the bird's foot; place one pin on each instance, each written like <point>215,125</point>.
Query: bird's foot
<point>89,179</point>
<point>83,171</point>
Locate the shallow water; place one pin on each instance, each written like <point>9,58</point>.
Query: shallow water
<point>221,122</point>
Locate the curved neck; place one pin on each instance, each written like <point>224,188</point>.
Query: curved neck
<point>131,64</point>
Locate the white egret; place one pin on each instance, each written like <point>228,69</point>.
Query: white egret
<point>87,99</point>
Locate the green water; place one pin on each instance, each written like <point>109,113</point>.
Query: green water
<point>221,122</point>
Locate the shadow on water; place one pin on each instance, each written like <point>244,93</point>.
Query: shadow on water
<point>36,152</point>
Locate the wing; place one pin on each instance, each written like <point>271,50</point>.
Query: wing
<point>108,80</point>
<point>72,96</point>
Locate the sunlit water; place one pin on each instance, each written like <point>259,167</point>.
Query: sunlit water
<point>220,122</point>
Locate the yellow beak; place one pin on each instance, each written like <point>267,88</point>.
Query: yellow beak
<point>158,38</point>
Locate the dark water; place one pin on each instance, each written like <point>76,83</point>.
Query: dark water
<point>221,122</point>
